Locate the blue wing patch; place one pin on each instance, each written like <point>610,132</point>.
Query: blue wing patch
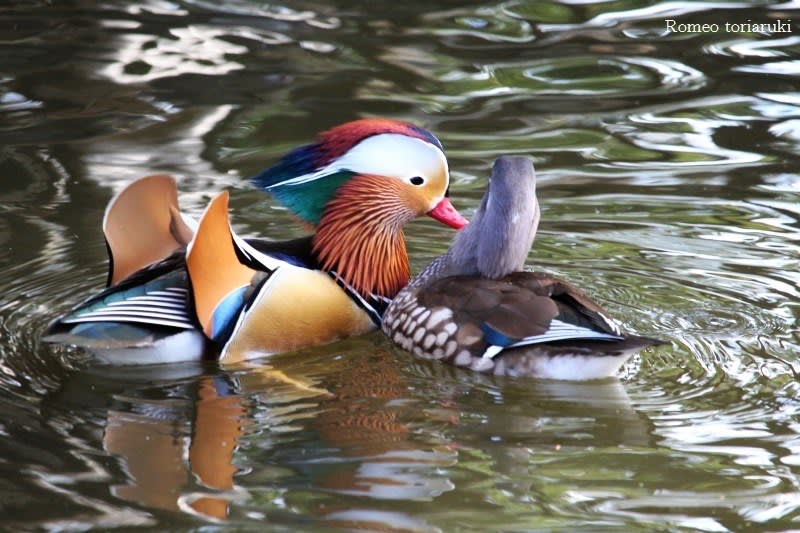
<point>494,337</point>
<point>227,311</point>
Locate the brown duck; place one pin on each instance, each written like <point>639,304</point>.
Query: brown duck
<point>475,307</point>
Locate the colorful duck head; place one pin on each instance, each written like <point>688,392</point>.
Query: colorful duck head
<point>308,177</point>
<point>359,184</point>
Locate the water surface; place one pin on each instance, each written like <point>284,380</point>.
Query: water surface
<point>667,167</point>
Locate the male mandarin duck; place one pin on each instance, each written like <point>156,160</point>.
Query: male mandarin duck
<point>474,307</point>
<point>177,287</point>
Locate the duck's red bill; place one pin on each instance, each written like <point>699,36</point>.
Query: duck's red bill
<point>445,213</point>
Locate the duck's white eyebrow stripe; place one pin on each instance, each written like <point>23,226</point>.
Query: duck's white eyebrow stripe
<point>401,156</point>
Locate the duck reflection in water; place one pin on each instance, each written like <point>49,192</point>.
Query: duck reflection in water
<point>373,426</point>
<point>153,440</point>
<point>173,431</point>
<point>393,444</point>
<point>178,449</point>
<point>178,437</point>
<point>367,419</point>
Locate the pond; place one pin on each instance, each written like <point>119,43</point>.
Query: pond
<point>667,162</point>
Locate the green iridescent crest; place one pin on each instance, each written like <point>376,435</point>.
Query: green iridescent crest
<point>308,199</point>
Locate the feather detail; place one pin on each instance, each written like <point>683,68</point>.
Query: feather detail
<point>360,236</point>
<point>334,142</point>
<point>143,225</point>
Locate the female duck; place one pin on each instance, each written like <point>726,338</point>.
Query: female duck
<point>177,288</point>
<point>474,306</point>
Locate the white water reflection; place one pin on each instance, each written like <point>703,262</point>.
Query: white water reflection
<point>189,50</point>
<point>129,157</point>
<point>782,47</point>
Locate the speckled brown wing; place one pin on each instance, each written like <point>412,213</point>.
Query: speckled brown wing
<point>515,310</point>
<point>461,318</point>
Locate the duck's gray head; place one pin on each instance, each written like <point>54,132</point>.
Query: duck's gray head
<point>497,240</point>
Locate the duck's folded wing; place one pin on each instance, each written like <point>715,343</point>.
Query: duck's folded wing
<point>147,284</point>
<point>575,307</point>
<point>152,302</point>
<point>509,313</point>
<point>160,302</point>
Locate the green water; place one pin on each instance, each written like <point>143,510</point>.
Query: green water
<point>667,175</point>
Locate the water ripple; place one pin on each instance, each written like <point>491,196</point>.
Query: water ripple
<point>687,133</point>
<point>277,12</point>
<point>768,48</point>
<point>473,27</point>
<point>778,68</point>
<point>632,76</point>
<point>567,79</point>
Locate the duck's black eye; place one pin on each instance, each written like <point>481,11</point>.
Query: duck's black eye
<point>417,180</point>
